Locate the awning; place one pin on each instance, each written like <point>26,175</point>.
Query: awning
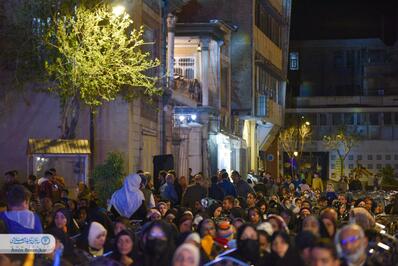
<point>58,146</point>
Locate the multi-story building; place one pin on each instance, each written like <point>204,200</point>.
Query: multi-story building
<point>258,70</point>
<point>131,128</point>
<point>350,84</point>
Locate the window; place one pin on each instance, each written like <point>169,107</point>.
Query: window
<point>350,157</point>
<point>361,119</point>
<point>378,166</point>
<point>333,157</point>
<point>359,157</point>
<point>396,118</point>
<point>396,157</point>
<point>388,157</point>
<point>185,67</point>
<point>387,119</point>
<point>370,166</point>
<point>266,84</point>
<point>323,121</point>
<point>374,119</point>
<point>337,119</point>
<point>396,166</point>
<point>267,24</point>
<point>338,59</point>
<point>349,118</point>
<point>332,166</point>
<point>294,61</point>
<point>351,166</point>
<point>370,157</point>
<point>378,157</point>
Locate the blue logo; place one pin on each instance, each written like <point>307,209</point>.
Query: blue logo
<point>45,240</point>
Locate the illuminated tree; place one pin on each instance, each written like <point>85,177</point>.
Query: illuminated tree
<point>96,56</point>
<point>293,140</point>
<point>78,50</point>
<point>342,143</point>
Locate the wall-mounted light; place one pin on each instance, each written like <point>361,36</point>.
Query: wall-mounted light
<point>193,117</point>
<point>118,10</point>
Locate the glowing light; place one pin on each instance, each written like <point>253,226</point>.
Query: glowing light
<point>118,10</point>
<point>307,123</point>
<point>181,118</point>
<point>382,226</point>
<point>193,117</point>
<point>383,246</point>
<point>295,153</point>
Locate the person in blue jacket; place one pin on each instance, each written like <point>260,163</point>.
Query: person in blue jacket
<point>226,184</point>
<point>18,219</point>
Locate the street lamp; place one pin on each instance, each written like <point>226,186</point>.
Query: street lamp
<point>307,123</point>
<point>295,153</point>
<point>118,10</point>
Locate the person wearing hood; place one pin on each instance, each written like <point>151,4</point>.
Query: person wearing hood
<point>19,219</point>
<point>157,244</point>
<point>248,248</point>
<point>282,251</point>
<point>129,201</point>
<point>186,255</point>
<point>62,220</point>
<point>96,240</point>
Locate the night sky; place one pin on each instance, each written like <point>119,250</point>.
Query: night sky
<point>341,19</point>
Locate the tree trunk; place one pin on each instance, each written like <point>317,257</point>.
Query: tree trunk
<point>70,111</point>
<point>92,139</point>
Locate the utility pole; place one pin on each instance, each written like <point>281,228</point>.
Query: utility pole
<point>163,67</point>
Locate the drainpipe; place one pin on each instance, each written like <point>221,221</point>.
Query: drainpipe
<point>163,77</point>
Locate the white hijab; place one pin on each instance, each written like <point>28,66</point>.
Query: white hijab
<point>129,198</point>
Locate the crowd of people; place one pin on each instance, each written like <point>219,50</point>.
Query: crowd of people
<point>193,220</point>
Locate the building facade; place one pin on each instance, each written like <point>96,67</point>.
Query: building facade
<point>350,85</point>
<point>259,50</point>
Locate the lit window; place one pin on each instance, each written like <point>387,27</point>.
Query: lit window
<point>294,61</point>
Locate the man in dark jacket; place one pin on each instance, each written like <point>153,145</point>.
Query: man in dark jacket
<point>241,186</point>
<point>194,193</point>
<point>215,191</point>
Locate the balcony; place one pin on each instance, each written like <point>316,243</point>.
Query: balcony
<point>187,91</point>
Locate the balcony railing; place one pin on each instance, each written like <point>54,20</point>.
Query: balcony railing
<point>190,88</point>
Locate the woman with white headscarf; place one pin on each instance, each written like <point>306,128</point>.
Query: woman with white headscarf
<point>129,200</point>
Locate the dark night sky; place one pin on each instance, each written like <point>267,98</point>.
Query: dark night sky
<point>340,19</point>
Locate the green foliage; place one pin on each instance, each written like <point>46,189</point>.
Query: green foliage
<point>98,56</point>
<point>342,143</point>
<point>108,177</point>
<point>387,174</point>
